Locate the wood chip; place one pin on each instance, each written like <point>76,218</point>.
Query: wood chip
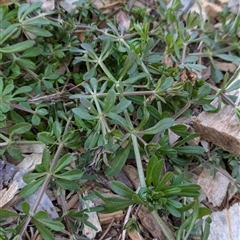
<point>150,223</point>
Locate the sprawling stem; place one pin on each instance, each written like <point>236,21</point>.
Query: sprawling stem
<point>164,227</point>
<point>138,161</point>
<point>46,182</point>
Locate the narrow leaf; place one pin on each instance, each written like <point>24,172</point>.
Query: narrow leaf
<point>159,127</point>
<point>63,162</point>
<point>118,162</point>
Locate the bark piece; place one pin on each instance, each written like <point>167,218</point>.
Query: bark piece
<point>150,223</point>
<point>221,128</point>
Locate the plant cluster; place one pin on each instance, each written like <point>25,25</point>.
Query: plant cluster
<point>113,96</point>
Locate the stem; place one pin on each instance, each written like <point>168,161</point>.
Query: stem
<point>184,53</point>
<point>138,161</point>
<point>46,182</point>
<point>165,229</point>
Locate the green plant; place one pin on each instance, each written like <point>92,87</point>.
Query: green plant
<point>113,96</point>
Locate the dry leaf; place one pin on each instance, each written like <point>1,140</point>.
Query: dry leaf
<point>48,5</point>
<point>92,218</point>
<point>123,19</point>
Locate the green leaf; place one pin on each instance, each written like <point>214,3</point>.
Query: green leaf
<point>54,225</point>
<point>116,165</point>
<point>157,172</point>
<point>23,89</point>
<point>29,177</point>
<point>7,213</point>
<point>173,211</point>
<point>31,188</point>
<point>190,150</point>
<point>15,152</point>
<point>44,232</point>
<point>46,138</point>
<point>119,120</point>
<point>109,100</point>
<point>229,58</point>
<point>114,204</point>
<point>120,107</point>
<point>70,175</point>
<point>57,129</point>
<point>121,189</point>
<point>32,52</point>
<point>159,127</point>
<point>25,9</point>
<point>66,184</point>
<point>27,63</point>
<point>18,47</point>
<point>46,159</point>
<point>150,167</point>
<point>20,128</point>
<point>63,162</point>
<point>166,178</point>
<point>40,215</point>
<point>83,113</point>
<point>234,86</point>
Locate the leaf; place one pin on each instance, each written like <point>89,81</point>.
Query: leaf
<point>18,47</point>
<point>190,150</point>
<point>29,177</point>
<point>83,113</point>
<point>114,204</point>
<point>15,152</point>
<point>109,100</point>
<point>25,9</point>
<point>7,213</point>
<point>57,129</point>
<point>40,215</point>
<point>27,63</point>
<point>121,189</point>
<point>54,225</point>
<point>63,162</point>
<point>31,188</point>
<point>167,177</point>
<point>229,58</point>
<point>120,107</point>
<point>149,172</point>
<point>159,127</point>
<point>173,211</point>
<point>20,128</point>
<point>157,172</point>
<point>46,138</point>
<point>23,89</point>
<point>119,120</point>
<point>70,175</point>
<point>44,232</point>
<point>116,165</point>
<point>69,185</point>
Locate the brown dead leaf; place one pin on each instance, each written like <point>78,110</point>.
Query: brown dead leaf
<point>167,60</point>
<point>107,218</point>
<point>6,2</point>
<point>123,19</point>
<point>149,222</point>
<point>135,235</point>
<point>225,67</point>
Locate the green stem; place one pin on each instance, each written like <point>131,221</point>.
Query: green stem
<point>138,161</point>
<point>165,229</point>
<point>106,71</point>
<point>46,182</point>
